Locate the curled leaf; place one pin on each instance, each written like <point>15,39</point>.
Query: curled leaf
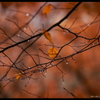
<point>47,9</point>
<point>17,76</point>
<point>52,52</point>
<point>47,36</point>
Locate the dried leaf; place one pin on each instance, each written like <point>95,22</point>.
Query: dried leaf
<point>17,76</point>
<point>47,36</point>
<point>47,9</point>
<point>52,52</point>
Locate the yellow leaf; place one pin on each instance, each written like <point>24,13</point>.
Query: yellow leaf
<point>47,9</point>
<point>17,76</point>
<point>47,36</point>
<point>52,52</point>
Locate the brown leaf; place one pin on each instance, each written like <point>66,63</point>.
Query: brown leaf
<point>47,36</point>
<point>47,9</point>
<point>52,52</point>
<point>17,76</point>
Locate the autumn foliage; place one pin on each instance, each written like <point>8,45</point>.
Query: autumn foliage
<point>47,9</point>
<point>47,36</point>
<point>49,50</point>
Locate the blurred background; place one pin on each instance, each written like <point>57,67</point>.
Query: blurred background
<point>81,77</point>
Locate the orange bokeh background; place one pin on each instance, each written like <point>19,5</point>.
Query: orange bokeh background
<point>81,78</point>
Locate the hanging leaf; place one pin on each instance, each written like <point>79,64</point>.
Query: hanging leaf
<point>52,52</point>
<point>47,36</point>
<point>47,9</point>
<point>17,76</point>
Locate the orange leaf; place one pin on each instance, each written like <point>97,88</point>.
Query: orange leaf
<point>52,52</point>
<point>47,9</point>
<point>47,36</point>
<point>17,76</point>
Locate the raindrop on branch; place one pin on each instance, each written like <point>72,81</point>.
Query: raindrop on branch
<point>23,72</point>
<point>24,28</point>
<point>63,82</point>
<point>93,44</point>
<point>74,61</point>
<point>29,67</point>
<point>40,70</point>
<point>18,35</point>
<point>66,62</point>
<point>45,72</point>
<point>67,31</point>
<point>97,42</point>
<point>28,41</point>
<point>88,24</point>
<point>86,42</point>
<point>50,65</point>
<point>27,14</point>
